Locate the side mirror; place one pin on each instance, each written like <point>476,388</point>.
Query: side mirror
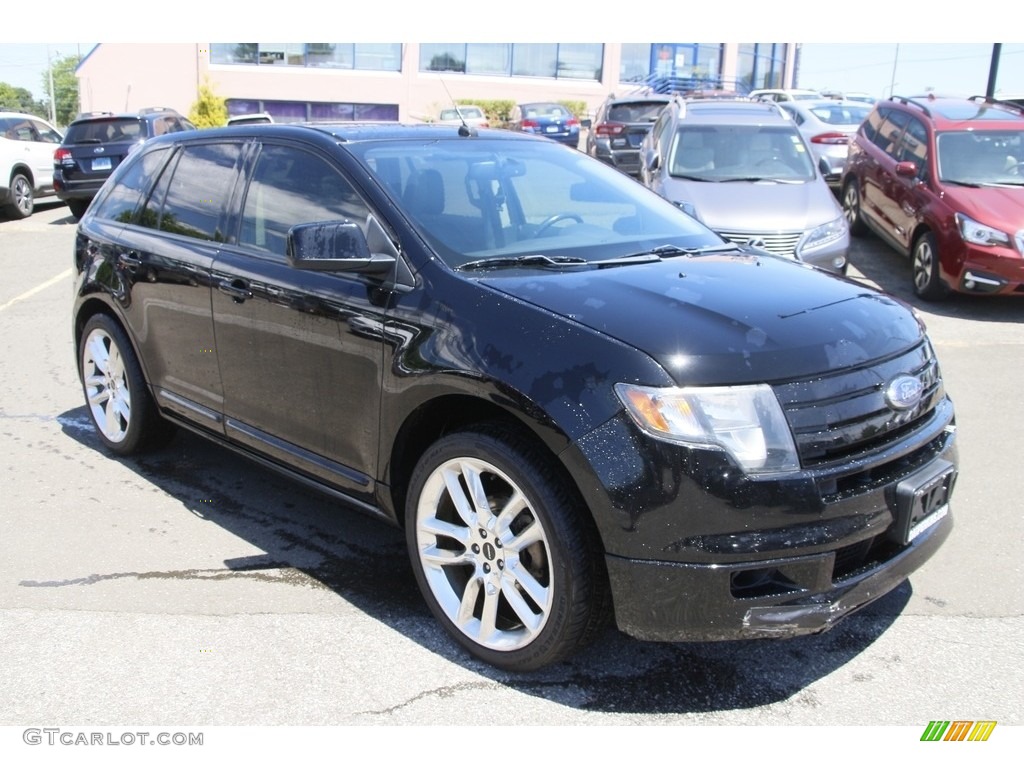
<point>906,168</point>
<point>334,246</point>
<point>586,123</point>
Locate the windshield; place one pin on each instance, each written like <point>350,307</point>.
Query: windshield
<point>734,152</point>
<point>981,157</point>
<point>478,198</point>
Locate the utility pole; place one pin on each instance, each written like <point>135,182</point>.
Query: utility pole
<point>53,93</point>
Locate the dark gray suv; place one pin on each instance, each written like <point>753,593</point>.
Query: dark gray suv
<point>96,143</point>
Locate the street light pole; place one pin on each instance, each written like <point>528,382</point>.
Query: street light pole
<point>895,61</point>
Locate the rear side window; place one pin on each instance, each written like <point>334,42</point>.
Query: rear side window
<point>192,199</point>
<point>122,197</point>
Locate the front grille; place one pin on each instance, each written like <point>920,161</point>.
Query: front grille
<point>844,416</point>
<point>779,243</point>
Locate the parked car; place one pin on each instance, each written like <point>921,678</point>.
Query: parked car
<point>576,399</point>
<point>941,180</point>
<point>553,121</point>
<point>96,143</point>
<point>828,126</point>
<point>26,161</point>
<point>742,168</point>
<point>784,94</point>
<point>464,114</point>
<point>619,128</point>
<point>251,118</point>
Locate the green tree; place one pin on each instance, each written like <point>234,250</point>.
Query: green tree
<point>65,88</point>
<point>20,100</point>
<point>209,110</point>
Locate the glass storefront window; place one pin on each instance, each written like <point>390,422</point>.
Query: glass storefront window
<point>443,57</point>
<point>367,56</point>
<point>636,62</point>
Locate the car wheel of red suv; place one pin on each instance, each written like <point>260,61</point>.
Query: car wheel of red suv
<point>851,208</point>
<point>927,282</point>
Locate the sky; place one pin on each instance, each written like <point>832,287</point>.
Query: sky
<point>861,47</point>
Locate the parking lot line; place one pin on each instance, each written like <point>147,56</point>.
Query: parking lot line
<point>41,287</point>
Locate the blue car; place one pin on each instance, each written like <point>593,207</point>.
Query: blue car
<point>547,119</point>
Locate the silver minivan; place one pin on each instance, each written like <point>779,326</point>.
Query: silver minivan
<point>744,170</point>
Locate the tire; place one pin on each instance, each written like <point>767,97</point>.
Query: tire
<point>521,588</point>
<point>928,283</point>
<point>116,394</point>
<point>851,209</point>
<point>23,200</point>
<point>78,207</point>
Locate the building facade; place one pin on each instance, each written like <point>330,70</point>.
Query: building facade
<point>413,81</point>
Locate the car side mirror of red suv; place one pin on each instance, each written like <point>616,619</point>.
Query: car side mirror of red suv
<point>906,168</point>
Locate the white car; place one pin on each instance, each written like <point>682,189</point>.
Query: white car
<point>783,94</point>
<point>467,114</point>
<point>27,144</point>
<point>828,126</point>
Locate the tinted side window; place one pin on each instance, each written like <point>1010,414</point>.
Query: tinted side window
<point>889,131</point>
<point>45,133</point>
<point>123,197</point>
<point>292,186</point>
<point>194,201</point>
<point>913,146</point>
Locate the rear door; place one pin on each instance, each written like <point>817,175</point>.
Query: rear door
<point>300,352</point>
<point>164,257</point>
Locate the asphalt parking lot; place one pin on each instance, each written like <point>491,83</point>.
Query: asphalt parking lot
<point>192,587</point>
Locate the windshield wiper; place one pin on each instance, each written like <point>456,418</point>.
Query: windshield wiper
<point>531,260</point>
<point>662,251</point>
<point>763,178</point>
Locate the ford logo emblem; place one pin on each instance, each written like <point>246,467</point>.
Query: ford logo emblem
<point>904,392</point>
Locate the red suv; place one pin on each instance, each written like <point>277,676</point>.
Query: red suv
<point>942,180</point>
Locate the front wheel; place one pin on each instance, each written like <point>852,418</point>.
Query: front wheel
<point>928,283</point>
<point>119,402</point>
<point>502,551</point>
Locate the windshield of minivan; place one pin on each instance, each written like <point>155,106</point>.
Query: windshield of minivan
<point>735,152</point>
<point>475,198</point>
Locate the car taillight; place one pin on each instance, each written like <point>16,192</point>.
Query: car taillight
<point>572,121</point>
<point>830,138</point>
<point>531,124</point>
<point>63,156</point>
<point>609,129</point>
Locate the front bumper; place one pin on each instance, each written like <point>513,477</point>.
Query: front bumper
<point>673,602</point>
<point>990,271</point>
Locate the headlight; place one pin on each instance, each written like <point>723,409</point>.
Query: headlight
<point>980,234</point>
<point>825,234</point>
<point>747,422</point>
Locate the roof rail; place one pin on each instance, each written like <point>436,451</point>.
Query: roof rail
<point>915,102</point>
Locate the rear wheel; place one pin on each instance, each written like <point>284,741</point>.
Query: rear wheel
<point>119,402</point>
<point>501,551</point>
<point>851,208</point>
<point>925,264</point>
<point>23,200</point>
<point>78,207</point>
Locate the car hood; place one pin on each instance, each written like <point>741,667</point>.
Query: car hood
<point>1001,207</point>
<point>725,319</point>
<point>743,206</point>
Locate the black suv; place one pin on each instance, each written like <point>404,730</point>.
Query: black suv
<point>96,143</point>
<point>620,126</point>
<point>575,398</point>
